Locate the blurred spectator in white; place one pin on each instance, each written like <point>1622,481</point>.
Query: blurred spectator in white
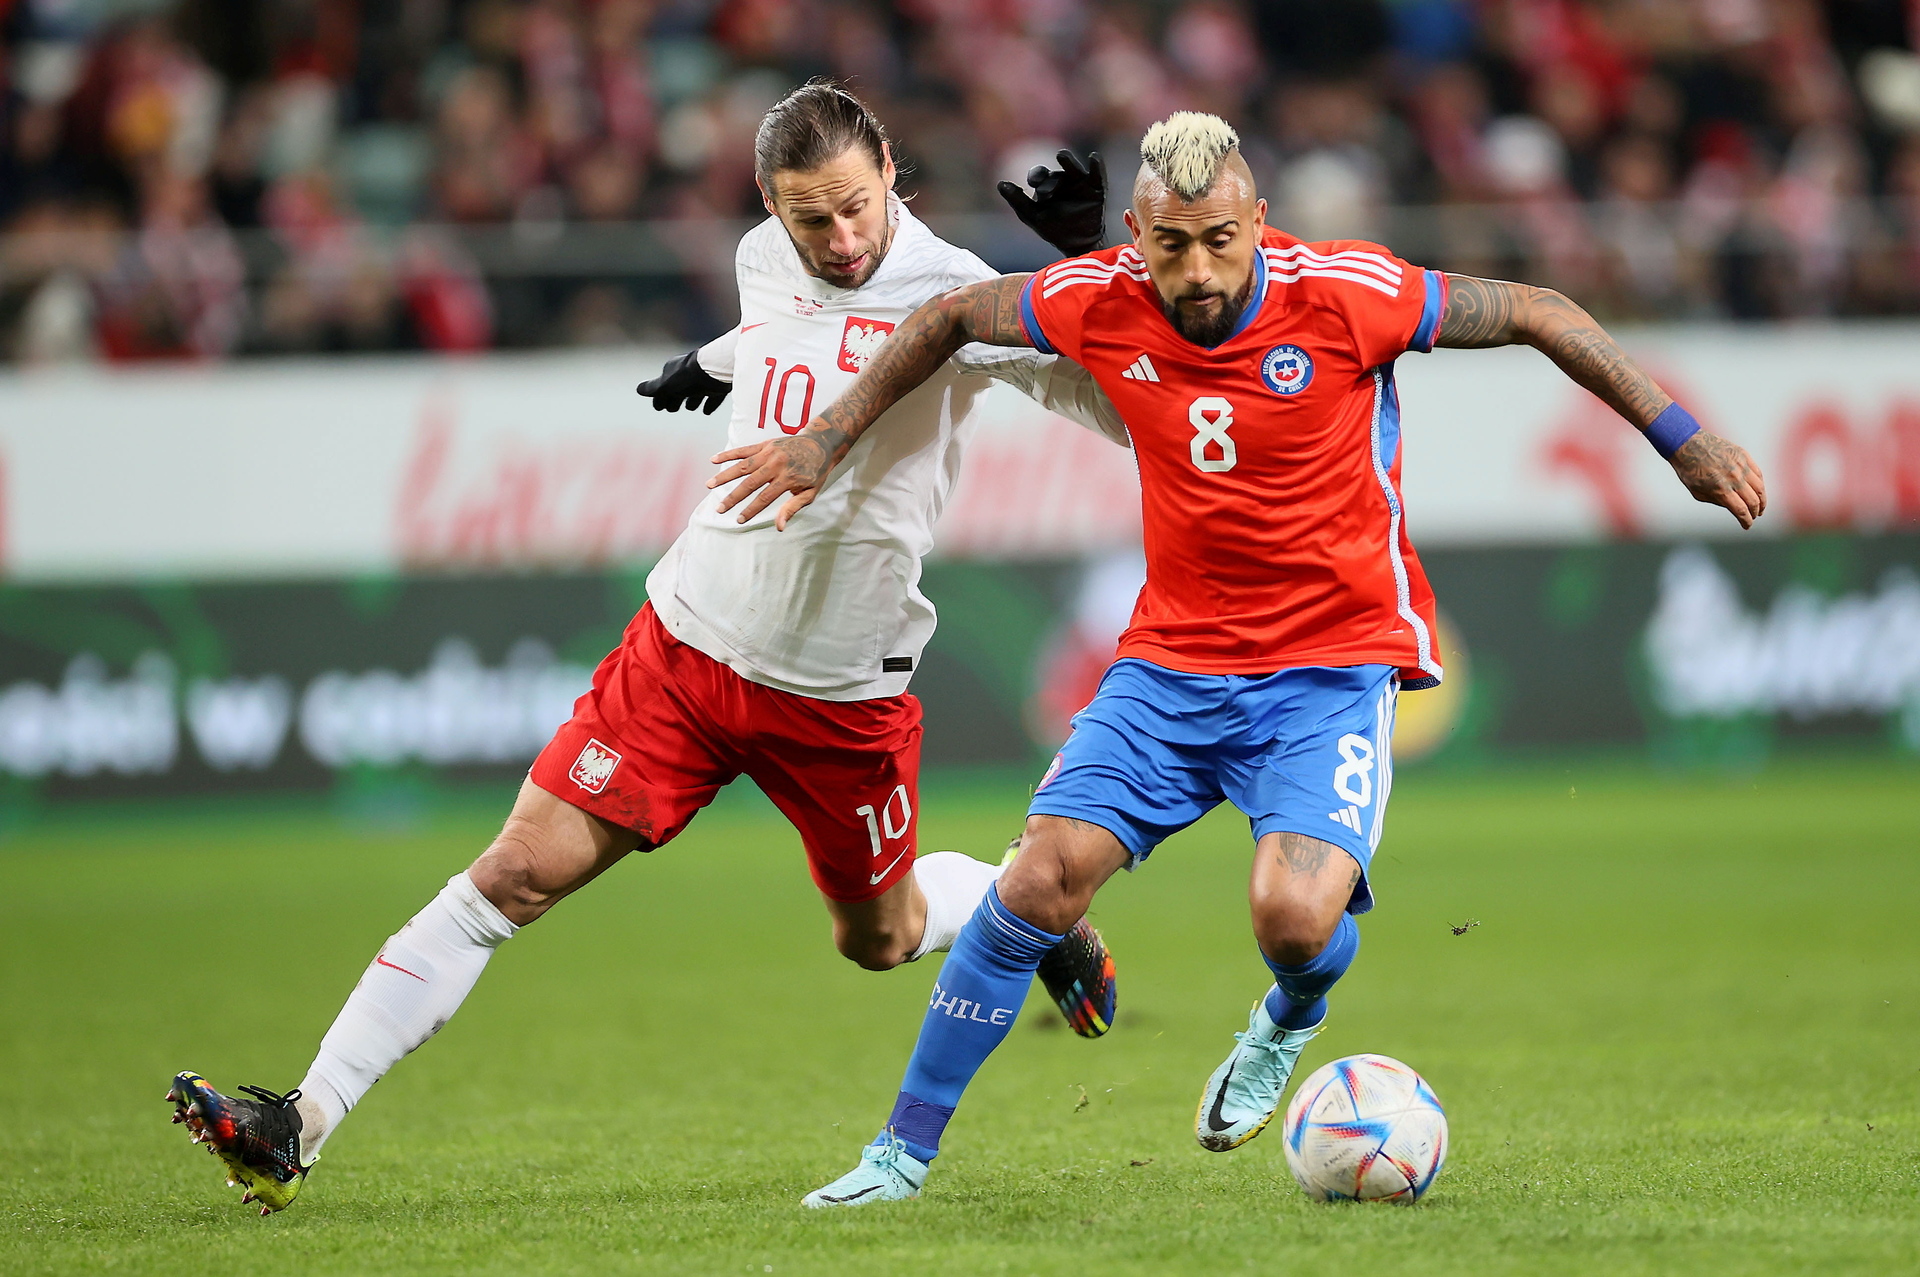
<point>1526,160</point>
<point>1647,275</point>
<point>50,261</point>
<point>1331,182</point>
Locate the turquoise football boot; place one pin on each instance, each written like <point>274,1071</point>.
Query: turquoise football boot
<point>1244,1092</point>
<point>887,1173</point>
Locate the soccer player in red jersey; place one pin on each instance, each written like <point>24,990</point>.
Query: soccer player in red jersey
<point>1284,608</point>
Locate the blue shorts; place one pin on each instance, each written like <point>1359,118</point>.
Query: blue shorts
<point>1304,751</point>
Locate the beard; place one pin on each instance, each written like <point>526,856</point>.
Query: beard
<point>816,264</point>
<point>1208,329</point>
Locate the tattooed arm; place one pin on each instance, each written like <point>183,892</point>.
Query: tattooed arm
<point>1491,312</point>
<point>985,312</point>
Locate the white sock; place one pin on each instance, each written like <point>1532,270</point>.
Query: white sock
<point>954,885</point>
<point>415,984</point>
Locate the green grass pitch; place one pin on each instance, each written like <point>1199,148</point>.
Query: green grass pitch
<point>1685,1037</point>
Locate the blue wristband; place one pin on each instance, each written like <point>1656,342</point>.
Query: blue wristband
<point>1671,429</point>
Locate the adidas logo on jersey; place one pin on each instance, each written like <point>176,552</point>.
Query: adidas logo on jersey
<point>1348,816</point>
<point>1141,370</point>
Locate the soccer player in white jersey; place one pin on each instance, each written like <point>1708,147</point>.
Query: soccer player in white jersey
<point>780,657</point>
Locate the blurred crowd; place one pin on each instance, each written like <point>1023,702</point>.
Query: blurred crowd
<point>205,178</point>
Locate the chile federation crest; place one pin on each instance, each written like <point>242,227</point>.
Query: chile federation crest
<point>1287,370</point>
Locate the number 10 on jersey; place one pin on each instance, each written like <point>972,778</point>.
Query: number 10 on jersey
<point>789,394</point>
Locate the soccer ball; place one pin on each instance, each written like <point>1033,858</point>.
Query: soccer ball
<point>1365,1128</point>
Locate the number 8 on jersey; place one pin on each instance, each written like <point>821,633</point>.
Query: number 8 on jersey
<point>1212,417</point>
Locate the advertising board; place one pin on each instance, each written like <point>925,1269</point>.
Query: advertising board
<point>550,461</point>
<point>1701,654</point>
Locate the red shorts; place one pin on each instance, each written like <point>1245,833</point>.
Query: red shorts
<point>665,726</point>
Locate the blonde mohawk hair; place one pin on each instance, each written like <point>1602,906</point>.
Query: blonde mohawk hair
<point>1185,151</point>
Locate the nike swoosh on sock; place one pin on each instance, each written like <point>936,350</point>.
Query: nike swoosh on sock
<point>381,958</point>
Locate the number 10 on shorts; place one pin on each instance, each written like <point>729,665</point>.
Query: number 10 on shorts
<point>883,821</point>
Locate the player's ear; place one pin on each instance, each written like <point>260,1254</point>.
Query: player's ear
<point>1259,215</point>
<point>766,200</point>
<point>1133,226</point>
<point>887,171</point>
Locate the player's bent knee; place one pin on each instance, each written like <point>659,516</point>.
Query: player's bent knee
<point>1053,879</point>
<point>509,873</point>
<point>875,957</point>
<point>1292,933</point>
<point>872,950</point>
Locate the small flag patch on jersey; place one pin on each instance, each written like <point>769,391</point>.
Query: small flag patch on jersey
<point>1141,370</point>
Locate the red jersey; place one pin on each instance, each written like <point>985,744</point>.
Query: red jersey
<point>1269,464</point>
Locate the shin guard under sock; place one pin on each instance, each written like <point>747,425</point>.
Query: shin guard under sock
<point>974,1004</point>
<point>1298,999</point>
<point>415,984</point>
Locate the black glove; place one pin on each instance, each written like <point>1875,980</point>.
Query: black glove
<point>1068,207</point>
<point>684,383</point>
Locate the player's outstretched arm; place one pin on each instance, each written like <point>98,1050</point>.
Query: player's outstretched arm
<point>988,311</point>
<point>1492,312</point>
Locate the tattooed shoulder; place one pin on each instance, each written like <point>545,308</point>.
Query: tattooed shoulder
<point>1480,312</point>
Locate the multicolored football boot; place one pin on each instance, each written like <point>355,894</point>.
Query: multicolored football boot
<point>258,1139</point>
<point>887,1173</point>
<point>1244,1092</point>
<point>1078,973</point>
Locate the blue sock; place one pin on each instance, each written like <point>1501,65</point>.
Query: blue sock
<point>974,1004</point>
<point>1298,999</point>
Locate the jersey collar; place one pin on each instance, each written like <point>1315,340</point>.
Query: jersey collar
<point>906,228</point>
<point>1254,302</point>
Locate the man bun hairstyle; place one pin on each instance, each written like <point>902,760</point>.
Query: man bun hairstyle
<point>815,123</point>
<point>1185,151</point>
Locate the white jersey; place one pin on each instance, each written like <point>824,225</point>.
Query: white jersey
<point>831,608</point>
